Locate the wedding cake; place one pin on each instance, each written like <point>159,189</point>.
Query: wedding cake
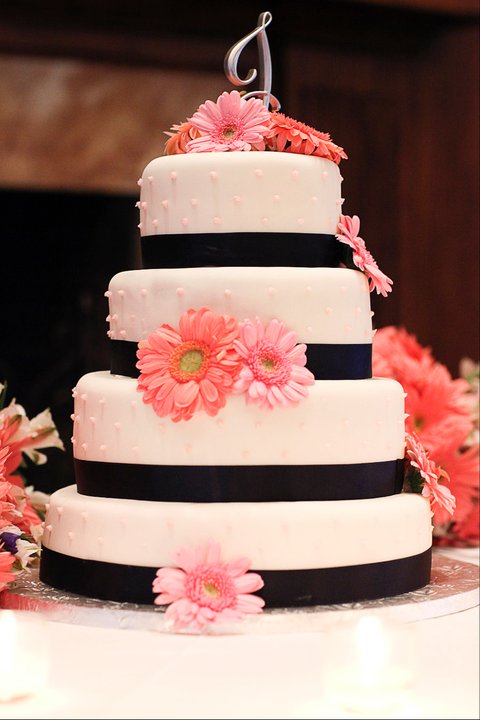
<point>240,413</point>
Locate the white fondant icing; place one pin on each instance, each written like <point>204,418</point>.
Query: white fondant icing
<point>274,536</point>
<point>326,300</point>
<point>312,433</point>
<point>214,179</point>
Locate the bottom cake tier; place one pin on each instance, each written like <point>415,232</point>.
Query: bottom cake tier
<point>308,553</point>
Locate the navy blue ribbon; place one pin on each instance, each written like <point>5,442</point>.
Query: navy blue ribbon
<point>283,588</point>
<point>327,361</point>
<point>238,483</point>
<point>242,249</point>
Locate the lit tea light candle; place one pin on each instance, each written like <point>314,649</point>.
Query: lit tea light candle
<point>23,655</point>
<point>370,667</point>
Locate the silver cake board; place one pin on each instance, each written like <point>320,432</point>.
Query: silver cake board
<point>454,587</point>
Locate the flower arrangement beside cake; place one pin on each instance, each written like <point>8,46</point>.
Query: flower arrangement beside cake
<point>21,507</point>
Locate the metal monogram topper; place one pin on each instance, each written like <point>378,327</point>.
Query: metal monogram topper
<point>265,62</point>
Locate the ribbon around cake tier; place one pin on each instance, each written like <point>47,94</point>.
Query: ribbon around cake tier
<point>326,361</point>
<point>282,588</point>
<point>239,483</point>
<point>242,249</point>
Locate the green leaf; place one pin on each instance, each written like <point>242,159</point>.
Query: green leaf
<point>415,480</point>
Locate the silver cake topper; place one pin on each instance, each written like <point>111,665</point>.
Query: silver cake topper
<point>265,62</point>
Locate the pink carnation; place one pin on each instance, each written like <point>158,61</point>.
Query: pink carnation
<point>274,371</point>
<point>348,228</point>
<point>288,135</point>
<point>231,123</point>
<point>192,369</point>
<point>202,589</point>
<point>430,473</point>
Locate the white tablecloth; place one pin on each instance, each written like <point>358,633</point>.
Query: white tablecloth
<point>111,673</point>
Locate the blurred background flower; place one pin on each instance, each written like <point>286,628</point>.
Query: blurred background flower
<point>443,413</point>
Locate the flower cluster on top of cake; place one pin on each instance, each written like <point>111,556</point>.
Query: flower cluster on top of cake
<point>234,123</point>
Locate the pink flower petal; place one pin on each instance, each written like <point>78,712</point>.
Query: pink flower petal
<point>273,331</point>
<point>237,567</point>
<point>186,558</point>
<point>257,389</point>
<point>212,553</point>
<point>164,598</point>
<point>208,391</point>
<point>206,615</point>
<point>185,393</point>
<point>294,393</point>
<point>230,615</point>
<point>276,397</point>
<point>287,341</point>
<point>250,582</point>
<point>251,604</point>
<point>302,375</point>
<point>297,355</point>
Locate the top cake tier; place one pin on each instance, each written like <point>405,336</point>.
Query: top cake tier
<point>235,192</point>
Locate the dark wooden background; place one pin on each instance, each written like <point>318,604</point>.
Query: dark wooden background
<point>395,83</point>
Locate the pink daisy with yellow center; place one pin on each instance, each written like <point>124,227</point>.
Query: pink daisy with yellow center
<point>288,135</point>
<point>231,123</point>
<point>273,372</point>
<point>202,589</point>
<point>348,229</point>
<point>192,369</point>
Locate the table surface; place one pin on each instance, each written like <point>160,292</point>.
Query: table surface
<point>99,672</point>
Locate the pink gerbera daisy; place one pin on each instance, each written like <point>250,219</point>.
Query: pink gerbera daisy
<point>427,475</point>
<point>438,410</point>
<point>192,369</point>
<point>288,135</point>
<point>202,589</point>
<point>348,228</point>
<point>398,354</point>
<point>180,137</point>
<point>462,468</point>
<point>232,123</point>
<point>274,371</point>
